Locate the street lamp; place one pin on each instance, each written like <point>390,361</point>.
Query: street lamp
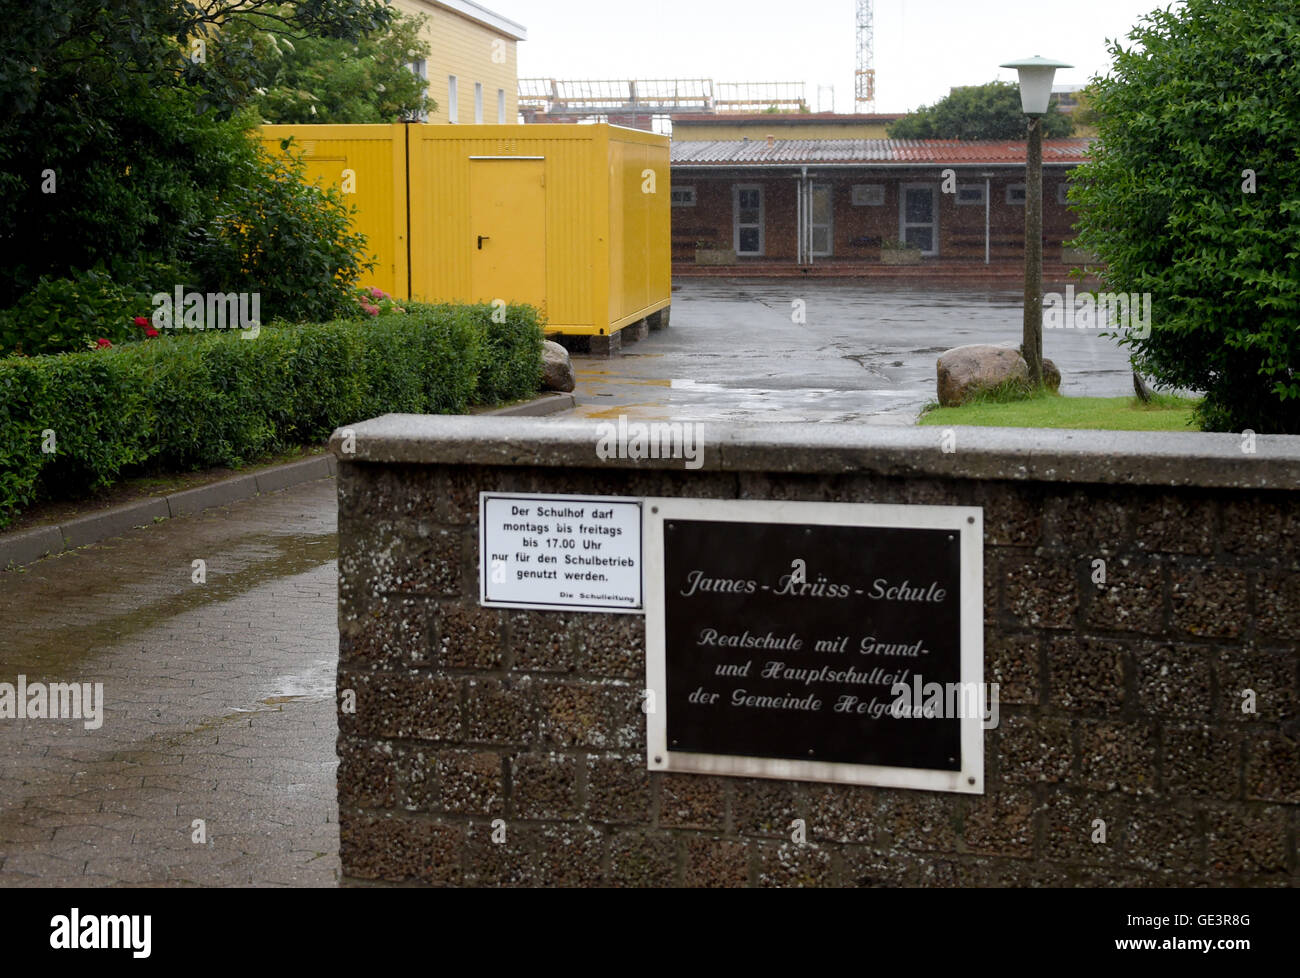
<point>1036,76</point>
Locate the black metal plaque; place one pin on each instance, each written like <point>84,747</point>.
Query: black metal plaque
<point>786,641</point>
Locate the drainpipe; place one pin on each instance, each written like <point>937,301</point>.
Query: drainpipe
<point>805,227</point>
<point>805,217</point>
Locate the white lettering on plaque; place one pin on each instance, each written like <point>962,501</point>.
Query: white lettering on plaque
<point>550,552</point>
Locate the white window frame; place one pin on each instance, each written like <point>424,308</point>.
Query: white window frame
<point>969,203</point>
<point>420,69</point>
<point>934,211</point>
<point>478,103</point>
<point>683,196</point>
<point>501,106</point>
<point>762,219</point>
<point>868,195</point>
<point>453,100</point>
<point>1011,201</point>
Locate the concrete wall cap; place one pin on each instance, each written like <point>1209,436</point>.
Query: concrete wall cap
<point>1023,454</point>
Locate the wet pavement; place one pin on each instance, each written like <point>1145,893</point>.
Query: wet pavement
<point>219,703</point>
<point>865,354</point>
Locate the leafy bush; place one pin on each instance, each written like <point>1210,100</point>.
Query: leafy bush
<point>269,233</point>
<point>183,402</point>
<point>290,241</point>
<point>511,350</point>
<point>132,186</point>
<point>70,313</point>
<point>1206,92</point>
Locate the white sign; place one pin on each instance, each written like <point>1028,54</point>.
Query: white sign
<point>551,552</point>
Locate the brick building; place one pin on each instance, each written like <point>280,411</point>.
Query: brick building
<point>767,203</point>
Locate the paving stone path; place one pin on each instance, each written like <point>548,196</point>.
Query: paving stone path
<point>219,703</point>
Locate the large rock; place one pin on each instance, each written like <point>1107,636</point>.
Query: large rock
<point>967,371</point>
<point>557,368</point>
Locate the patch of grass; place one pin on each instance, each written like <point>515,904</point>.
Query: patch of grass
<point>1008,392</point>
<point>1046,410</point>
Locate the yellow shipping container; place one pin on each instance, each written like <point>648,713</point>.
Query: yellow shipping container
<point>575,220</point>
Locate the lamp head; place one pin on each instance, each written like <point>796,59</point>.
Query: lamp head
<point>1036,76</point>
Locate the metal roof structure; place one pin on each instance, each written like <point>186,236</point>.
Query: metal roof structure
<point>574,99</point>
<point>872,152</point>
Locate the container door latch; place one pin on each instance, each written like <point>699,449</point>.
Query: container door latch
<point>481,239</point>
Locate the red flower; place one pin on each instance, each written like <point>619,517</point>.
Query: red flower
<point>102,343</point>
<point>150,332</point>
<point>142,321</point>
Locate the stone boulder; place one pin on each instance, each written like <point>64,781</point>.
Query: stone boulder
<point>966,371</point>
<point>557,368</point>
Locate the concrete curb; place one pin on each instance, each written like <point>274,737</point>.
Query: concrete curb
<point>550,403</point>
<point>28,546</point>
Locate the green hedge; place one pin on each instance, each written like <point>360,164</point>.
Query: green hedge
<point>192,401</point>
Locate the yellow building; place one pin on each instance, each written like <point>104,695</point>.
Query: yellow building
<point>726,126</point>
<point>472,68</point>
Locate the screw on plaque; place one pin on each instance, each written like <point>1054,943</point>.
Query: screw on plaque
<point>971,780</point>
<point>659,760</point>
<point>654,509</point>
<point>811,753</point>
<point>970,519</point>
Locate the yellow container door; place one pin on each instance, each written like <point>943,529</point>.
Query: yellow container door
<point>508,228</point>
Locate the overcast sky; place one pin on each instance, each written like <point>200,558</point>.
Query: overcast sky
<point>923,47</point>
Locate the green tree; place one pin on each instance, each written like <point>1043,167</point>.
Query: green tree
<point>1191,196</point>
<point>1085,113</point>
<point>989,111</point>
<point>337,80</point>
<point>117,135</point>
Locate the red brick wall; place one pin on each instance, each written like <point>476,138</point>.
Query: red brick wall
<point>961,227</point>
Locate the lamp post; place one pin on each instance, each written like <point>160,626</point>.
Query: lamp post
<point>1036,76</point>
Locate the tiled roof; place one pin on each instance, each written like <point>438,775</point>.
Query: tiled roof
<point>755,152</point>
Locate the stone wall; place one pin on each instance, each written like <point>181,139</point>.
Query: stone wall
<point>1120,702</point>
